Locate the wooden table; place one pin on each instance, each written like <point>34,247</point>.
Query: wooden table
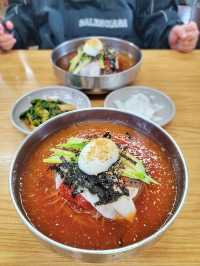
<point>176,74</point>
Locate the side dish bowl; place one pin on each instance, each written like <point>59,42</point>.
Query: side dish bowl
<point>163,106</point>
<point>147,128</point>
<point>103,83</point>
<point>66,94</point>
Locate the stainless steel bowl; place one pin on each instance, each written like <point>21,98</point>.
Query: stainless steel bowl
<point>103,83</point>
<point>100,114</point>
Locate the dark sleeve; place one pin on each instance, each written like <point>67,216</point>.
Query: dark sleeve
<point>155,20</point>
<point>25,32</point>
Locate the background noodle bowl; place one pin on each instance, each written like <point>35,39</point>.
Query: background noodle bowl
<point>101,83</point>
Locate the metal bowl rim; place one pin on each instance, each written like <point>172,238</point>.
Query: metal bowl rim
<point>116,251</point>
<point>100,76</point>
<point>28,132</point>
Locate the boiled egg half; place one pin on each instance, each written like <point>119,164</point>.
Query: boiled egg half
<point>93,47</point>
<point>98,156</point>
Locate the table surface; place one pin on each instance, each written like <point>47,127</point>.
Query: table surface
<point>178,75</point>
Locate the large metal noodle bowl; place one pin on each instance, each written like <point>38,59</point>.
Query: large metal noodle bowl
<point>102,83</point>
<point>145,127</point>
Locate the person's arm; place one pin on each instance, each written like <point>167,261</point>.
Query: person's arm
<point>159,24</point>
<point>20,14</point>
<point>7,40</point>
<point>154,21</point>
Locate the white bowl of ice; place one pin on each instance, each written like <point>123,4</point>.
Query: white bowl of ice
<point>143,101</point>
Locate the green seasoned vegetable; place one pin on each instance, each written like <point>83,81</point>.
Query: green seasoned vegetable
<point>129,156</point>
<point>66,154</point>
<point>75,61</point>
<point>65,150</point>
<point>42,110</point>
<point>74,143</point>
<point>127,166</point>
<point>135,170</point>
<point>55,158</point>
<point>101,61</point>
<point>79,61</point>
<point>85,59</point>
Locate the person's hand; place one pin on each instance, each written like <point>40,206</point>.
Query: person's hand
<point>184,38</point>
<point>7,41</point>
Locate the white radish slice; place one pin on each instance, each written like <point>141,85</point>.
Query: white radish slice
<point>106,211</point>
<point>125,207</point>
<point>91,69</point>
<point>133,191</point>
<point>91,198</point>
<point>58,181</point>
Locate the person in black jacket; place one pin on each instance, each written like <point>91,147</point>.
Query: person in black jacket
<point>47,23</point>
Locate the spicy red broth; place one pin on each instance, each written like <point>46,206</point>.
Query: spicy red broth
<point>49,212</point>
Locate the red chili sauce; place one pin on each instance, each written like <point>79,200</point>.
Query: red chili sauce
<point>49,212</point>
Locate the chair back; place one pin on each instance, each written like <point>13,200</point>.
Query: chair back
<point>195,15</point>
<point>185,13</point>
<point>189,13</point>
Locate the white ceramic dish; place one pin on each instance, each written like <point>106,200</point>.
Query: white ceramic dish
<point>66,94</point>
<point>162,116</point>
